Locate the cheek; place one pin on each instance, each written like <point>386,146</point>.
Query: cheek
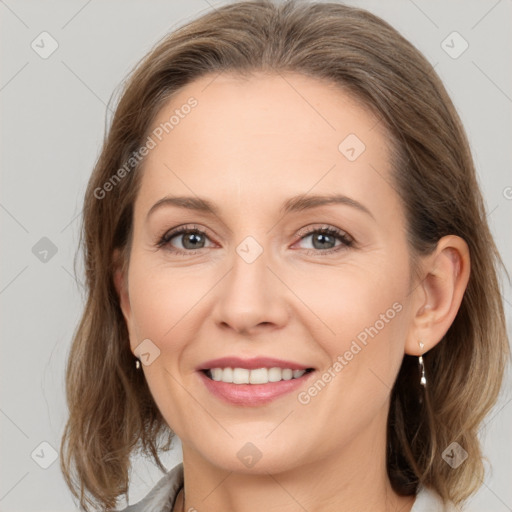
<point>350,302</point>
<point>358,300</point>
<point>361,326</point>
<point>160,301</point>
<point>372,341</point>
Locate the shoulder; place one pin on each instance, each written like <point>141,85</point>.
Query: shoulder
<point>427,500</point>
<point>162,496</point>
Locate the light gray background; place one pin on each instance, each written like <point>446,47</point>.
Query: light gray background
<point>53,121</point>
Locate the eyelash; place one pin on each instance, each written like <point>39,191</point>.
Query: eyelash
<point>346,240</point>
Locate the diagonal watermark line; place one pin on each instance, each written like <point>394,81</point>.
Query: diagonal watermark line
<point>5,495</point>
<point>287,492</point>
<point>14,76</point>
<point>211,81</point>
<point>14,423</point>
<point>217,486</point>
<point>3,2</point>
<point>305,194</point>
<point>76,14</point>
<point>306,101</point>
<point>12,280</point>
<point>488,214</point>
<point>212,7</point>
<point>199,403</point>
<point>385,384</point>
<point>87,86</point>
<point>506,504</point>
<point>424,13</point>
<point>280,423</point>
<point>491,419</point>
<point>485,15</point>
<point>71,221</point>
<point>379,120</point>
<point>420,283</point>
<point>301,300</point>
<point>197,302</point>
<point>77,281</point>
<point>14,218</point>
<point>386,180</point>
<point>492,81</point>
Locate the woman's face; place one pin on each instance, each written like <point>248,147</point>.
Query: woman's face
<point>257,282</point>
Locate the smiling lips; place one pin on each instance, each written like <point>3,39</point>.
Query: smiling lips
<point>252,382</point>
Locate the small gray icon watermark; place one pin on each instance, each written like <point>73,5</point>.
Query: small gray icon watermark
<point>249,455</point>
<point>147,352</point>
<point>351,147</point>
<point>44,45</point>
<point>249,249</point>
<point>44,250</point>
<point>454,455</point>
<point>454,45</point>
<point>44,455</point>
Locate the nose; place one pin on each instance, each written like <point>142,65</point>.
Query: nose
<point>251,297</point>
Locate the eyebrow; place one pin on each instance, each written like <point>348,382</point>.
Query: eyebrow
<point>294,204</point>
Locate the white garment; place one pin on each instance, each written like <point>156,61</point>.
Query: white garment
<point>427,500</point>
<point>163,495</point>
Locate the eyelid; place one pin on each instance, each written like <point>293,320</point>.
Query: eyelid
<point>169,234</point>
<point>308,230</point>
<point>346,239</point>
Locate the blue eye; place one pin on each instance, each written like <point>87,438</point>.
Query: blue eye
<point>193,239</point>
<point>326,236</point>
<point>190,240</point>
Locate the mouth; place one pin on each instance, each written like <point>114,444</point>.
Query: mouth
<point>252,382</point>
<point>254,376</point>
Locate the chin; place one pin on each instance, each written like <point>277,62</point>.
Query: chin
<point>258,457</point>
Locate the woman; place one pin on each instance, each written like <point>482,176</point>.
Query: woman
<point>289,267</point>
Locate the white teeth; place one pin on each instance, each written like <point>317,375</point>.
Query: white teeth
<point>256,376</point>
<point>274,375</point>
<point>226,375</point>
<point>216,373</point>
<point>287,374</point>
<point>240,376</point>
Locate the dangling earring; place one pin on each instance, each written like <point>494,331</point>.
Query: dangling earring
<point>423,379</point>
<point>137,364</point>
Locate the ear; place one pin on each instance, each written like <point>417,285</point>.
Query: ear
<point>121,285</point>
<point>437,298</point>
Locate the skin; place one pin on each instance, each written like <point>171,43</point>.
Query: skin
<point>248,146</point>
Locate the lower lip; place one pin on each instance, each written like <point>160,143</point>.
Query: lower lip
<point>252,394</point>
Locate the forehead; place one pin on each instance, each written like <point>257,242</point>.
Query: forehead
<point>263,103</point>
<point>265,135</point>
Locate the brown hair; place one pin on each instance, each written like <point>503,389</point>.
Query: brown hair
<point>112,412</point>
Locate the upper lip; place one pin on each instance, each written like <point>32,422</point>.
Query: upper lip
<point>251,363</point>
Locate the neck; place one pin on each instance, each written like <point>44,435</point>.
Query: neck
<point>352,479</point>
